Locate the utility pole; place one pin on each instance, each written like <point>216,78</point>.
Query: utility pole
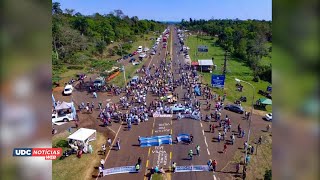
<point>225,63</point>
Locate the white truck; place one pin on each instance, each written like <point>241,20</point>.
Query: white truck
<point>56,117</point>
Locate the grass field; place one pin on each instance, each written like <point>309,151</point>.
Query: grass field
<point>236,68</point>
<point>73,167</point>
<point>260,161</point>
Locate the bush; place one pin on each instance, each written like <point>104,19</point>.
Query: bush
<point>62,143</point>
<point>256,79</point>
<point>268,175</point>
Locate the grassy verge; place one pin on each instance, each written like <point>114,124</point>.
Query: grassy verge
<point>157,177</point>
<point>259,162</point>
<point>236,68</point>
<point>73,167</point>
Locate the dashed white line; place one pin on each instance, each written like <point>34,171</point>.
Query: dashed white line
<point>200,124</point>
<point>214,177</point>
<point>205,141</point>
<point>208,151</point>
<point>202,131</point>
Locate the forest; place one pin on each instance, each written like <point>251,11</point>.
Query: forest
<point>79,39</point>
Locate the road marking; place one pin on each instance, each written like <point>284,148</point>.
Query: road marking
<point>111,130</point>
<point>208,151</point>
<point>153,124</point>
<point>200,124</point>
<point>170,155</point>
<point>214,177</point>
<point>152,131</point>
<point>147,163</point>
<point>105,159</point>
<point>149,152</point>
<point>205,141</point>
<point>171,131</point>
<point>225,166</point>
<point>202,131</point>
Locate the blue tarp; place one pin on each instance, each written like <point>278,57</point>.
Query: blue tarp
<point>155,140</point>
<point>183,137</point>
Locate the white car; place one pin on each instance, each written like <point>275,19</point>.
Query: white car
<point>135,63</point>
<point>268,117</point>
<point>68,89</point>
<point>139,51</point>
<point>153,52</point>
<point>142,55</point>
<point>146,49</point>
<point>187,57</point>
<point>58,118</point>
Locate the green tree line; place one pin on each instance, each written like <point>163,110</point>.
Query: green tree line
<point>244,39</point>
<point>77,38</point>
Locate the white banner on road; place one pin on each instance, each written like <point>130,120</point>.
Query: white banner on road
<point>118,170</point>
<point>162,115</point>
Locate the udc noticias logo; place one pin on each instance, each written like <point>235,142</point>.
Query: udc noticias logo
<point>47,153</point>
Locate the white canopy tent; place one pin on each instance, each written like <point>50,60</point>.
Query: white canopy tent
<point>64,105</point>
<point>84,135</point>
<point>205,62</point>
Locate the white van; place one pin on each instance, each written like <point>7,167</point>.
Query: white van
<point>139,49</point>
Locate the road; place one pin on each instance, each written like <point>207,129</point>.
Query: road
<point>164,155</point>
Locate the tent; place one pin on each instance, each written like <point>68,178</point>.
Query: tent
<point>84,135</point>
<point>64,105</point>
<point>265,101</point>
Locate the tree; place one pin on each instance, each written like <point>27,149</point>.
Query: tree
<point>100,46</point>
<point>69,12</point>
<point>268,175</point>
<point>56,8</point>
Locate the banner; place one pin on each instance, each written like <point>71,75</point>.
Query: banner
<point>156,114</point>
<point>183,137</point>
<point>218,80</point>
<point>192,168</point>
<point>119,170</point>
<point>155,140</point>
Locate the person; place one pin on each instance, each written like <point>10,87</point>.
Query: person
<point>260,140</point>
<point>109,142</point>
<point>162,170</point>
<point>191,138</point>
<point>95,95</point>
<point>225,148</point>
<point>209,163</point>
<point>252,150</point>
<point>100,172</point>
<point>245,145</point>
<point>198,150</point>
<point>190,154</point>
<point>268,127</point>
<point>156,169</point>
<point>247,159</point>
<point>102,163</point>
<point>118,143</point>
<point>137,167</point>
<point>219,137</point>
<point>174,165</point>
<point>210,126</point>
<point>104,149</point>
<point>237,168</point>
<point>139,160</point>
<point>214,165</point>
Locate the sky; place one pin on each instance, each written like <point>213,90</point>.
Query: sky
<point>175,10</point>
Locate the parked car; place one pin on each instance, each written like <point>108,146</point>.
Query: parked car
<point>153,52</point>
<point>130,55</point>
<point>146,49</point>
<point>234,108</point>
<point>268,117</point>
<point>134,53</point>
<point>142,55</point>
<point>68,89</point>
<point>125,57</point>
<point>132,59</point>
<point>187,56</point>
<point>136,63</point>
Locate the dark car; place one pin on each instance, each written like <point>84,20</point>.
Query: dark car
<point>125,57</point>
<point>130,55</point>
<point>132,59</point>
<point>234,108</point>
